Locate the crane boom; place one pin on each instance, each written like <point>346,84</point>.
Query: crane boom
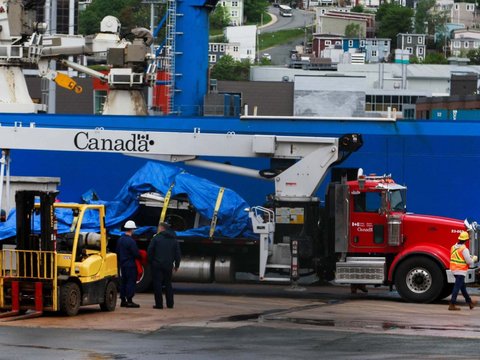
<point>310,157</point>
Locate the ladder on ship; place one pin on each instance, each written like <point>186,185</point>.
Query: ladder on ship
<point>170,53</point>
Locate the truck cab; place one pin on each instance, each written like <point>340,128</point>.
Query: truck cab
<point>378,242</point>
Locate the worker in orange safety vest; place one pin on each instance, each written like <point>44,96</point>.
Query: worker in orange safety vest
<point>460,261</point>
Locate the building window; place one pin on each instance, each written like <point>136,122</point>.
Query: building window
<point>456,44</point>
<point>465,44</point>
<point>328,42</point>
<point>362,43</point>
<point>338,43</point>
<point>350,43</point>
<point>456,6</point>
<point>235,48</point>
<point>234,13</point>
<point>215,48</point>
<point>410,50</point>
<point>249,52</point>
<point>99,98</point>
<point>420,51</point>
<point>409,39</point>
<point>374,42</point>
<point>234,3</point>
<point>221,48</point>
<point>385,43</point>
<point>374,53</point>
<point>420,39</point>
<point>470,7</point>
<point>212,58</point>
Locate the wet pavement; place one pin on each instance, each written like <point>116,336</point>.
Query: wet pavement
<point>211,321</point>
<point>232,306</point>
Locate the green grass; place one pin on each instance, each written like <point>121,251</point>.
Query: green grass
<point>216,32</point>
<point>267,40</point>
<point>266,19</point>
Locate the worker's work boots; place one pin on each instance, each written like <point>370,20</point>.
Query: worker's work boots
<point>355,287</point>
<point>472,304</point>
<point>131,304</point>
<point>453,307</point>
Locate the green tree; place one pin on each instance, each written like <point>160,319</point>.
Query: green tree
<point>254,10</point>
<point>428,20</point>
<point>393,19</point>
<point>422,15</point>
<point>414,60</point>
<point>220,17</point>
<point>131,13</point>
<point>474,57</point>
<point>264,61</point>
<point>358,9</point>
<point>435,58</point>
<point>227,68</point>
<point>353,31</point>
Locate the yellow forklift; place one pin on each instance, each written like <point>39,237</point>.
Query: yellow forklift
<point>50,272</point>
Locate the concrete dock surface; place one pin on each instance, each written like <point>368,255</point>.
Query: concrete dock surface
<point>331,308</point>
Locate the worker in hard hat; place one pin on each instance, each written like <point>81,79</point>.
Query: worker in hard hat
<point>460,261</point>
<point>127,252</point>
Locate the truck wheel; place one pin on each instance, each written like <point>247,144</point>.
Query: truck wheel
<point>446,291</point>
<point>70,298</point>
<point>419,279</point>
<point>145,281</point>
<point>110,297</point>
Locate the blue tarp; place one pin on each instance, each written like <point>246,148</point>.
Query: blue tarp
<point>232,219</point>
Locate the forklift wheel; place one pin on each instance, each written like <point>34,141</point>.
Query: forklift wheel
<point>110,297</point>
<point>70,298</point>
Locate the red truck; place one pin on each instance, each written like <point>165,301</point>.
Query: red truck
<point>378,242</point>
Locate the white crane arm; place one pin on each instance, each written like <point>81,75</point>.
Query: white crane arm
<point>312,156</point>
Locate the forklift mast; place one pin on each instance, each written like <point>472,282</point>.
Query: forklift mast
<point>26,211</point>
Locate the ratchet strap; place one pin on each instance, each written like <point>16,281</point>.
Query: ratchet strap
<point>213,224</point>
<point>74,222</point>
<point>165,203</point>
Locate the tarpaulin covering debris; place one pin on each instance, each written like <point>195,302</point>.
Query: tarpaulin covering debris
<point>232,219</point>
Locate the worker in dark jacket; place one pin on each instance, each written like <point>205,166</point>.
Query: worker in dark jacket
<point>164,258</point>
<point>127,252</point>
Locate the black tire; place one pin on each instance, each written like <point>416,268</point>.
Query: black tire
<point>419,279</point>
<point>70,299</point>
<point>145,282</point>
<point>110,297</point>
<point>446,291</point>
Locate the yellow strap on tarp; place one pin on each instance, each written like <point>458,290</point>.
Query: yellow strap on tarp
<point>165,204</point>
<point>74,223</point>
<point>213,224</point>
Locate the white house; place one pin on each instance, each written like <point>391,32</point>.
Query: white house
<point>246,37</point>
<point>235,10</point>
<point>466,33</point>
<point>217,50</point>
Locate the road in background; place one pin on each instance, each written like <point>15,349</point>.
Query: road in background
<point>281,54</point>
<point>300,19</point>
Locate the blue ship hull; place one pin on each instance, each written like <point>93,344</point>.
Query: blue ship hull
<point>437,160</point>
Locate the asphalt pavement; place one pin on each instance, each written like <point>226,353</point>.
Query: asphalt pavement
<point>252,321</point>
